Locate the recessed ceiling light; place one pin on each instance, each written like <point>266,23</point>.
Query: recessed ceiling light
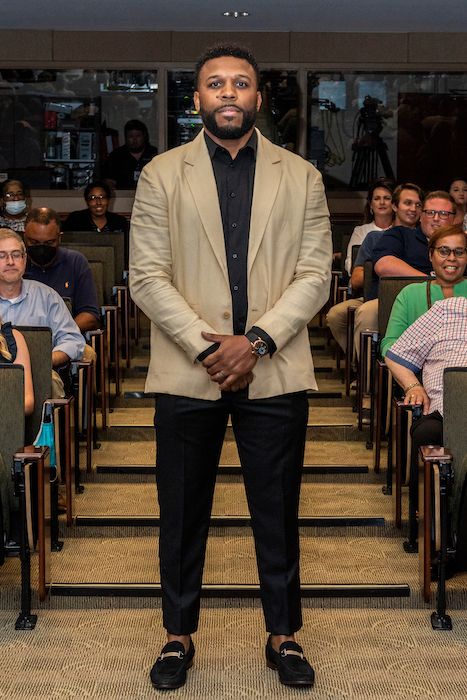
<point>236,14</point>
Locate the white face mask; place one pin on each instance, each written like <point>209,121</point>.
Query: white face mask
<point>15,207</point>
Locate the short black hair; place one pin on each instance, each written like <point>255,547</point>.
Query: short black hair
<point>137,125</point>
<point>43,216</point>
<point>219,50</point>
<point>97,183</point>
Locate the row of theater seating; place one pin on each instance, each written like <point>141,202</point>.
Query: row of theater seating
<point>442,482</point>
<point>28,506</point>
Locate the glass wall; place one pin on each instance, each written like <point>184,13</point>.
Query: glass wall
<point>277,119</point>
<point>59,127</point>
<point>406,126</point>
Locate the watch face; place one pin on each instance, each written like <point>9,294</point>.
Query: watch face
<point>260,347</point>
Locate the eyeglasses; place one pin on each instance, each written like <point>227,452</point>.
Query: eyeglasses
<point>99,198</point>
<point>15,255</point>
<point>445,252</point>
<point>431,213</point>
<point>9,196</point>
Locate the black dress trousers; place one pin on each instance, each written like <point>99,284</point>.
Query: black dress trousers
<point>270,435</point>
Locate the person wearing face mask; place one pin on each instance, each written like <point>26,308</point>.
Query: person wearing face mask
<point>66,271</point>
<point>14,205</point>
<point>29,303</point>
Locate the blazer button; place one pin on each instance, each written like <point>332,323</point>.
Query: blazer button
<point>226,314</point>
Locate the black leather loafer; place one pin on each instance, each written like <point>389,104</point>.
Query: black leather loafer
<point>169,671</point>
<point>290,663</point>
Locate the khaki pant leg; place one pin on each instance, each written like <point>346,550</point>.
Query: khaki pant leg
<point>366,319</point>
<point>336,318</point>
<point>89,354</point>
<point>58,388</point>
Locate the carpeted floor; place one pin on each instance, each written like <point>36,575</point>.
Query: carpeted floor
<point>357,655</point>
<point>96,648</point>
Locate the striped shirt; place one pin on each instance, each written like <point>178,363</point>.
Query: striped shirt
<point>436,340</point>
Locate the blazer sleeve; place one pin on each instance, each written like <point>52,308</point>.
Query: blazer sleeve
<point>151,268</point>
<point>308,290</point>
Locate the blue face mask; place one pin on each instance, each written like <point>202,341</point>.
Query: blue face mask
<point>16,207</point>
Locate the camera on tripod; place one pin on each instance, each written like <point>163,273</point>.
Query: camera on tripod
<point>371,118</point>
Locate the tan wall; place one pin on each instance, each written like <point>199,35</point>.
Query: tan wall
<point>46,49</point>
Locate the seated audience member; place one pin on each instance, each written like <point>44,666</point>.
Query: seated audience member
<point>447,250</point>
<point>97,217</point>
<point>457,188</point>
<point>123,166</point>
<point>13,350</point>
<point>14,207</point>
<point>30,303</point>
<point>377,216</point>
<point>436,340</point>
<point>406,204</point>
<point>403,252</point>
<point>66,271</point>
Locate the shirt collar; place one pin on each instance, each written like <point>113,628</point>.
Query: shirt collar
<point>22,295</point>
<point>213,146</point>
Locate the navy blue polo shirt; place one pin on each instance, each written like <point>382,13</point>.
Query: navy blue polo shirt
<point>407,244</point>
<point>70,276</point>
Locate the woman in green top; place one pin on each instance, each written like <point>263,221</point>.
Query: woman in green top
<point>448,254</point>
<point>447,248</point>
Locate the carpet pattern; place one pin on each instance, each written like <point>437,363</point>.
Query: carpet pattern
<point>102,648</point>
<point>357,655</point>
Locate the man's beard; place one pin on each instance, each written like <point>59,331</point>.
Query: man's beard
<point>228,131</point>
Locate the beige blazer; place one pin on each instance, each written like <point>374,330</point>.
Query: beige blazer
<point>178,267</point>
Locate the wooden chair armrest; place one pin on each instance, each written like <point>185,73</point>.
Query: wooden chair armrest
<point>69,437</point>
<point>113,340</point>
<point>31,453</point>
<point>435,453</point>
<point>38,455</point>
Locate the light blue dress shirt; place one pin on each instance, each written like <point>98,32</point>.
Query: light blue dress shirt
<point>40,305</point>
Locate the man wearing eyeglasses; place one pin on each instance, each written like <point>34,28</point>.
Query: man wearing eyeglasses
<point>28,303</point>
<point>403,252</point>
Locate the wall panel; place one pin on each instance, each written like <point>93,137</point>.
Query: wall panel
<point>26,45</point>
<point>112,46</point>
<point>333,47</point>
<point>435,48</point>
<point>270,47</point>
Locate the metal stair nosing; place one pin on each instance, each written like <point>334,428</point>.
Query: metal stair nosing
<point>315,590</point>
<point>235,469</point>
<point>226,521</point>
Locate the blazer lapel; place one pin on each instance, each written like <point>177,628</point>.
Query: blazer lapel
<point>268,174</point>
<point>202,183</point>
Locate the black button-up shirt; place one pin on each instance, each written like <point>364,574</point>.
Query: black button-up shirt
<point>235,181</point>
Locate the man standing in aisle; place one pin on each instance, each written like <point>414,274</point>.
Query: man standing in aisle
<point>230,257</point>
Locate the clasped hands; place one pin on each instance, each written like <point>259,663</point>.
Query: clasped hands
<point>232,363</point>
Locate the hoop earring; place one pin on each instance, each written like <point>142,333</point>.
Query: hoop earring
<point>371,211</point>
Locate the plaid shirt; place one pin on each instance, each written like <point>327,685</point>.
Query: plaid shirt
<point>436,340</point>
